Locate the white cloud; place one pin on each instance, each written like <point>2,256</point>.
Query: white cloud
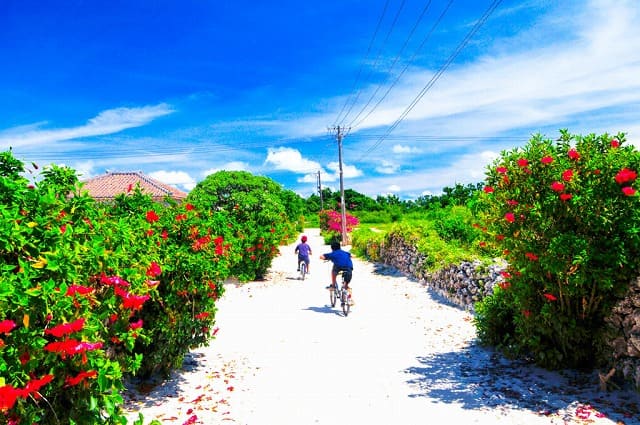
<point>404,149</point>
<point>290,160</point>
<point>174,178</point>
<point>558,68</point>
<point>394,188</point>
<point>84,169</point>
<point>106,122</point>
<point>348,171</point>
<point>465,169</point>
<point>387,167</point>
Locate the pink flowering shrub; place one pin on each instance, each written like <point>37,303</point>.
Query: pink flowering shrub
<point>566,216</point>
<point>331,224</point>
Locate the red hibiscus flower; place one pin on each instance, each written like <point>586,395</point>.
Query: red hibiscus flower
<point>501,170</point>
<point>546,160</point>
<point>6,326</point>
<point>34,385</point>
<point>488,189</point>
<point>154,269</point>
<point>565,196</point>
<point>628,191</point>
<point>8,397</point>
<point>557,186</point>
<point>510,217</point>
<point>531,256</point>
<point>550,297</point>
<point>113,280</point>
<point>615,143</point>
<point>66,328</point>
<point>152,217</point>
<point>78,289</point>
<point>523,162</point>
<point>136,325</point>
<point>75,380</point>
<point>130,300</point>
<point>573,154</point>
<point>567,175</point>
<point>625,175</point>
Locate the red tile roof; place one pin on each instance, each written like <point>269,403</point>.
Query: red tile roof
<point>106,187</point>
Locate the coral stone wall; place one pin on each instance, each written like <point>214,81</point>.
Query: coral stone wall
<point>469,282</point>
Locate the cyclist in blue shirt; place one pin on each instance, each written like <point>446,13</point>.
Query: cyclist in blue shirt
<point>341,262</point>
<point>304,251</point>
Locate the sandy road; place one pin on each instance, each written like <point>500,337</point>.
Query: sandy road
<point>403,356</point>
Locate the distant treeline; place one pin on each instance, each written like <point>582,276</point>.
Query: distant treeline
<point>355,201</point>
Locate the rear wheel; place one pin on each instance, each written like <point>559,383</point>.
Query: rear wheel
<point>303,269</point>
<point>346,302</point>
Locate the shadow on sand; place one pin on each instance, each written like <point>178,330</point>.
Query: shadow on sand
<point>153,390</point>
<point>327,309</point>
<point>478,378</point>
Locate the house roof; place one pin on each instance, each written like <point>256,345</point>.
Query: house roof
<point>107,186</point>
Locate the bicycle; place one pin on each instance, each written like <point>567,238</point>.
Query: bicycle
<point>344,295</point>
<point>302,266</point>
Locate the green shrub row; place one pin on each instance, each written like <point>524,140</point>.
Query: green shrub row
<point>92,293</point>
<point>565,215</point>
<point>443,236</point>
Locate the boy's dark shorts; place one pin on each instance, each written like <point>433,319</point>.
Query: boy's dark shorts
<point>347,274</point>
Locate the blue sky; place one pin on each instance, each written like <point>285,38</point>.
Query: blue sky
<point>428,91</point>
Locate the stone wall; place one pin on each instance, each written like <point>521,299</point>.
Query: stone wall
<point>468,282</point>
<point>624,331</point>
<point>462,284</point>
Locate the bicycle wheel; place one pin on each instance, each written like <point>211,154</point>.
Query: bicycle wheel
<point>332,296</point>
<point>303,269</point>
<point>345,301</point>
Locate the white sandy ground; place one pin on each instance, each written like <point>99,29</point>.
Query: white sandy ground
<point>403,356</point>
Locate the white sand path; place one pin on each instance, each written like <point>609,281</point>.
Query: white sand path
<point>403,356</point>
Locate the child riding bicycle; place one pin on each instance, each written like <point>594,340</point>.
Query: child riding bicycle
<point>341,263</point>
<point>304,251</point>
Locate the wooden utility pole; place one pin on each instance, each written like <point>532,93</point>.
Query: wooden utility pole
<point>343,211</point>
<point>320,191</point>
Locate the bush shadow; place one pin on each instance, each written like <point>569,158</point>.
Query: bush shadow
<point>149,392</point>
<point>478,378</point>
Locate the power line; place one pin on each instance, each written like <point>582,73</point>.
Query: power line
<point>437,75</point>
<point>378,56</point>
<point>124,153</point>
<point>424,41</point>
<point>395,60</point>
<point>357,80</point>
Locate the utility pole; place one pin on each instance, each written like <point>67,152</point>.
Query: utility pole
<point>320,191</point>
<point>343,211</point>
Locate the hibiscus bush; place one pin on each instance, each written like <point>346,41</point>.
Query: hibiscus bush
<point>565,216</point>
<point>192,253</point>
<point>266,211</point>
<point>331,224</point>
<point>60,308</point>
<point>92,293</point>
